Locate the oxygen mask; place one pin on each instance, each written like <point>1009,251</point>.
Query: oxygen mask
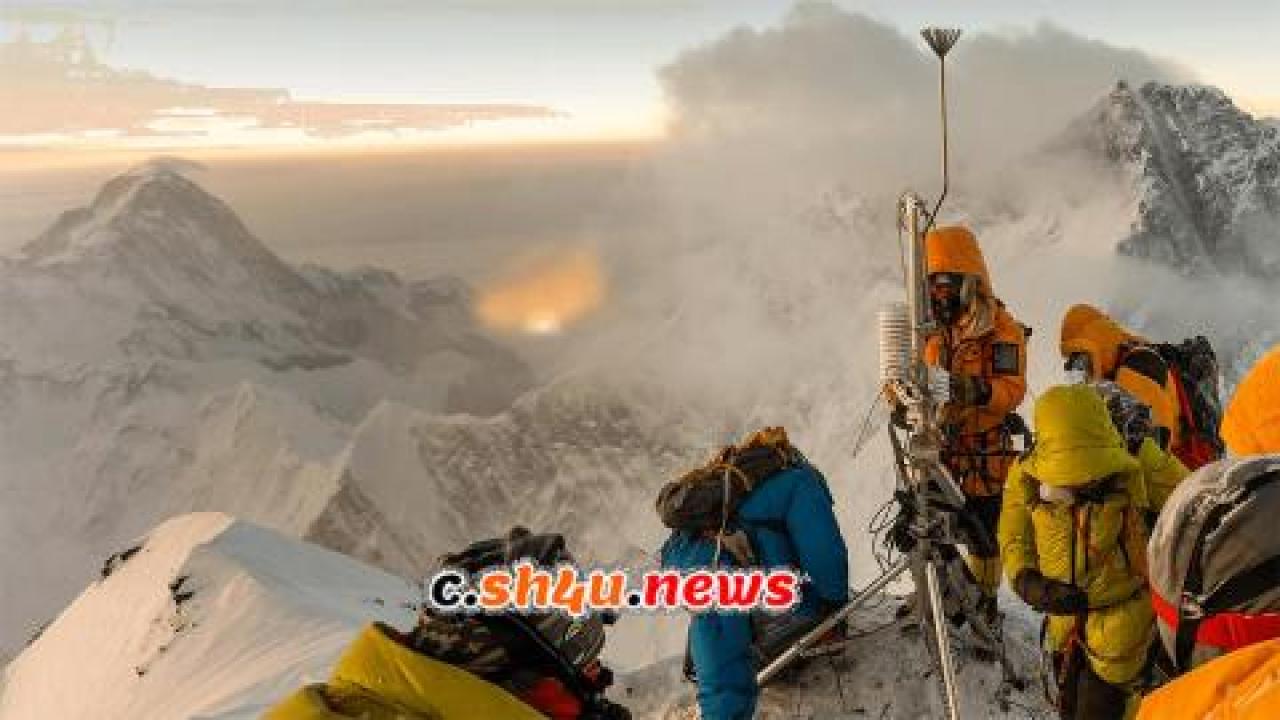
<point>947,296</point>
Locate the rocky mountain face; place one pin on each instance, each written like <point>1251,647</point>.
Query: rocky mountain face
<point>573,457</point>
<point>1207,175</point>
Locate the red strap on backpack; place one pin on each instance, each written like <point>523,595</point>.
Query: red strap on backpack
<point>550,697</point>
<point>1226,630</point>
<point>1194,451</point>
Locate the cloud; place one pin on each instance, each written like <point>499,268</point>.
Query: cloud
<point>773,235</point>
<point>828,87</point>
<point>102,10</point>
<point>58,87</point>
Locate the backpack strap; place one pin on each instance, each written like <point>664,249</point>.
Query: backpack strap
<point>739,546</point>
<point>1243,588</point>
<point>1146,361</point>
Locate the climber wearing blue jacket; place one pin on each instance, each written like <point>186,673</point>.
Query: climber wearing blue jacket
<point>790,522</point>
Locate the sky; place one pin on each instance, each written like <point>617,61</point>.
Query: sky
<point>526,69</point>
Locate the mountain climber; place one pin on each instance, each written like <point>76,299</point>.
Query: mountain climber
<point>1215,569</point>
<point>780,516</point>
<point>983,349</point>
<point>1072,538</point>
<point>456,666</point>
<point>1132,418</point>
<point>1095,345</point>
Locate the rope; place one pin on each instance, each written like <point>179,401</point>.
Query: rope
<point>724,513</point>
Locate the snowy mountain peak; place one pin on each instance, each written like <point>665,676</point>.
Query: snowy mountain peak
<point>156,222</point>
<point>1207,175</point>
<point>157,175</point>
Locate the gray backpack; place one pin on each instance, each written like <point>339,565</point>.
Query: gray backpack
<point>1214,560</point>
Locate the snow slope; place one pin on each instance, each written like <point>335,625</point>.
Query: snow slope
<point>207,618</point>
<point>884,672</point>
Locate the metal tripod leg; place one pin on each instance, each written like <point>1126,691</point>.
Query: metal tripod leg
<point>779,663</point>
<point>941,639</point>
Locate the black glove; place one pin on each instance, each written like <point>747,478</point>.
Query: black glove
<point>969,390</point>
<point>901,534</point>
<point>898,416</point>
<point>1050,596</point>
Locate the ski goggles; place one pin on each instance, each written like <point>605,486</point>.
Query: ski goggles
<point>946,283</point>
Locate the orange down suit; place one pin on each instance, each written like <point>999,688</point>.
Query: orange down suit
<point>986,342</point>
<point>1244,685</point>
<point>1087,329</point>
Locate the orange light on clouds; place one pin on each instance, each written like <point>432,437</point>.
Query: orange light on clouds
<point>546,297</point>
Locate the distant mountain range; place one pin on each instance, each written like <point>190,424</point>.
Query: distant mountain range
<point>157,358</point>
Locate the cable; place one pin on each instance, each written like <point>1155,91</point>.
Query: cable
<point>866,422</point>
<point>878,527</point>
<point>902,252</point>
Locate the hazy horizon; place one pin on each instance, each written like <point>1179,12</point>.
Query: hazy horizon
<point>168,77</point>
<point>474,213</point>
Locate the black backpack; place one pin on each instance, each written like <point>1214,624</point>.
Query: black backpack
<point>503,648</point>
<point>705,500</point>
<point>1195,369</point>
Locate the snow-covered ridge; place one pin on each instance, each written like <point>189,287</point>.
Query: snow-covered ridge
<point>226,402</point>
<point>205,617</point>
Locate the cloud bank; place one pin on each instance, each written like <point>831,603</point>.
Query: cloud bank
<point>840,94</point>
<point>773,237</point>
<point>59,88</point>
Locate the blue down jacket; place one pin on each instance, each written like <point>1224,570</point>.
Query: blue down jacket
<point>791,523</point>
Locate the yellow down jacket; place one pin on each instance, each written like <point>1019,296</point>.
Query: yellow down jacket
<point>377,678</point>
<point>1162,472</point>
<point>1083,531</point>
